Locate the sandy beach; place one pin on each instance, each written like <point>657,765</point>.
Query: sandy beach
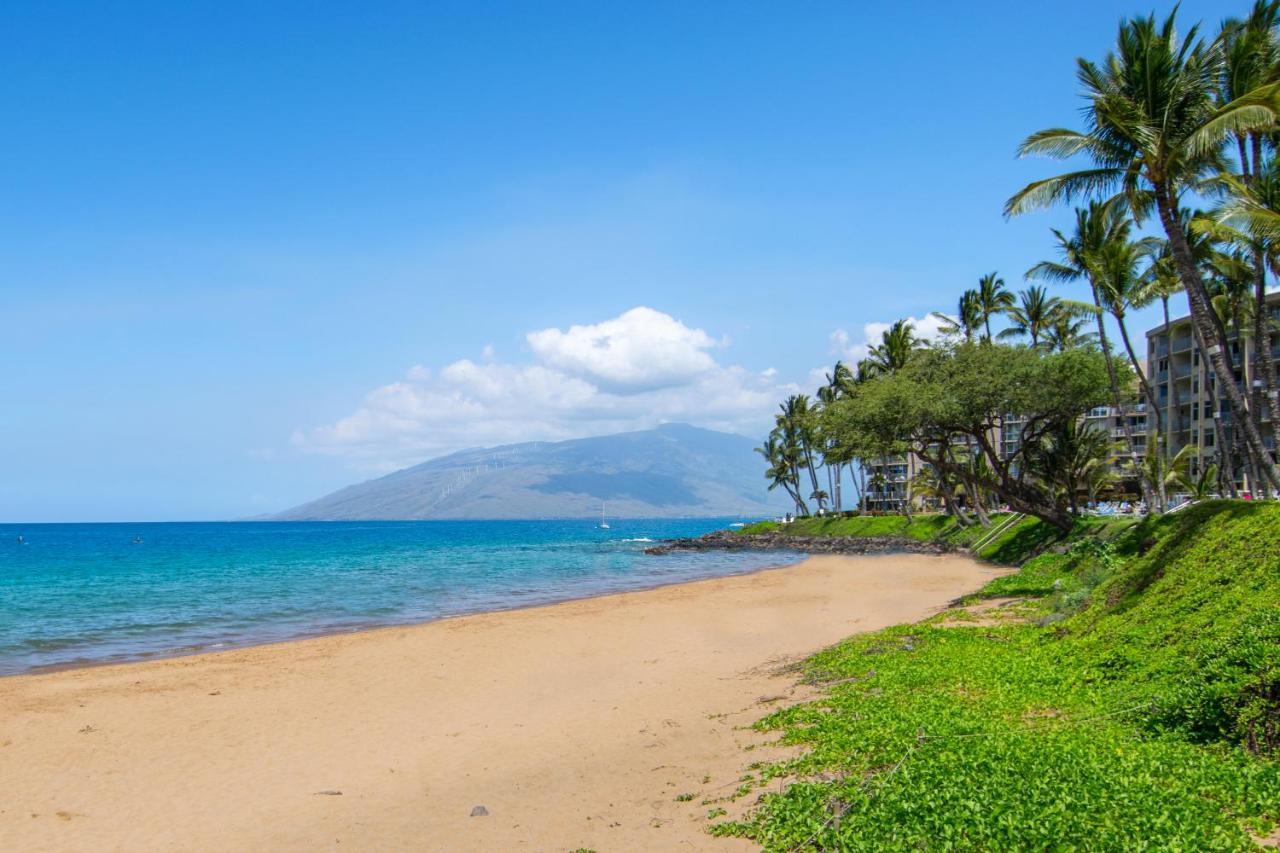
<point>575,725</point>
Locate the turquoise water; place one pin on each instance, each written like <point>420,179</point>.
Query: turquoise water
<point>88,593</point>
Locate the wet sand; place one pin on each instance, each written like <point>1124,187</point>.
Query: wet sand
<point>574,725</point>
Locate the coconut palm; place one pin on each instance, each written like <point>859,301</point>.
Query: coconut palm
<point>780,472</point>
<point>1154,131</point>
<point>840,383</point>
<point>1250,59</point>
<point>1036,311</point>
<point>1117,269</point>
<point>1160,281</point>
<point>798,422</point>
<point>1067,332</point>
<point>1249,219</point>
<point>896,345</point>
<point>1098,225</point>
<point>1230,284</point>
<point>993,299</point>
<point>967,320</point>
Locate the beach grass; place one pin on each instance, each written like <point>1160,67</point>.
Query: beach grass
<point>1129,700</point>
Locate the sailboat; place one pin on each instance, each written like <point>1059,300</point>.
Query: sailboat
<point>604,525</point>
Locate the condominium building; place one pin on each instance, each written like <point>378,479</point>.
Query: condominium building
<point>887,478</point>
<point>1184,389</point>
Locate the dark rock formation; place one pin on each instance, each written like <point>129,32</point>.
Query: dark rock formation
<point>723,540</point>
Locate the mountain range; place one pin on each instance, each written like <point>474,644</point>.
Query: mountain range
<point>675,470</point>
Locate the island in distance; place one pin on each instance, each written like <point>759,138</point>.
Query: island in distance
<point>674,470</point>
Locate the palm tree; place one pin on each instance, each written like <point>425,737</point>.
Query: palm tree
<point>1251,59</point>
<point>932,483</point>
<point>1120,284</point>
<point>1199,487</point>
<point>1154,131</point>
<point>1035,312</point>
<point>976,470</point>
<point>967,320</point>
<point>1069,460</point>
<point>1161,281</point>
<point>798,422</point>
<point>1097,226</point>
<point>993,299</point>
<point>896,345</point>
<point>783,456</point>
<point>839,383</point>
<point>779,473</point>
<point>1067,332</point>
<point>1230,278</point>
<point>1250,220</point>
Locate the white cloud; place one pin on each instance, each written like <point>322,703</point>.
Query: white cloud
<point>634,371</point>
<point>642,348</point>
<point>851,352</point>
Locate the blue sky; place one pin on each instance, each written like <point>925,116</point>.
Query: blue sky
<point>252,252</point>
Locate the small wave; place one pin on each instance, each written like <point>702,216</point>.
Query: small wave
<point>638,539</point>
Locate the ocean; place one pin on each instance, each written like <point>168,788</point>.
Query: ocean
<point>77,594</point>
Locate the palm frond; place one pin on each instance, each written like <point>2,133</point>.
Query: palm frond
<point>1063,189</point>
<point>1254,111</point>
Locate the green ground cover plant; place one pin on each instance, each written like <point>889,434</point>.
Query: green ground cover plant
<point>1137,708</point>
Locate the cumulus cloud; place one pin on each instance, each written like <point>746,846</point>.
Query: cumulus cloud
<point>852,350</point>
<point>642,348</point>
<point>634,371</point>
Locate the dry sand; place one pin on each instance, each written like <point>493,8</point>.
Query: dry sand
<point>574,725</point>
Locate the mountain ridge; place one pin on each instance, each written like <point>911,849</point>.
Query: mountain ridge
<point>674,470</point>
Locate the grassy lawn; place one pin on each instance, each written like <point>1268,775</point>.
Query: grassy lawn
<point>1133,702</point>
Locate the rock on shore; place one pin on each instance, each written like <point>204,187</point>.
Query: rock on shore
<point>724,540</point>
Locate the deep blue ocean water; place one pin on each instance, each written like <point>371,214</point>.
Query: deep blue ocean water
<point>88,593</point>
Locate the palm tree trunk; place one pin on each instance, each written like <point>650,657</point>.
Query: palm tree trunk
<point>813,476</point>
<point>1114,379</point>
<point>1206,322</point>
<point>1266,397</point>
<point>949,503</point>
<point>1226,465</point>
<point>1152,404</point>
<point>1263,361</point>
<point>795,500</point>
<point>1175,404</point>
<point>813,480</point>
<point>801,506</point>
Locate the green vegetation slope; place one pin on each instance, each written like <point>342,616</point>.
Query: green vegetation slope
<point>1130,701</point>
